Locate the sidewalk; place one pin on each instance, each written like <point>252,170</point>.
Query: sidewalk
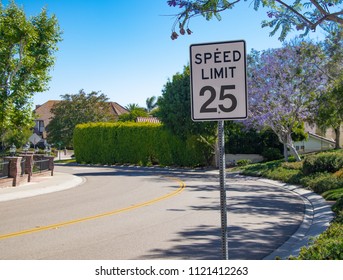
<point>41,184</point>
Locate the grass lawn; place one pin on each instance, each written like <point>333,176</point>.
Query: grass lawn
<point>66,161</point>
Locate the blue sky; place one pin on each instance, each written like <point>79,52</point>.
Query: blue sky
<point>124,50</point>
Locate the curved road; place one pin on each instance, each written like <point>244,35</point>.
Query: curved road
<point>148,213</point>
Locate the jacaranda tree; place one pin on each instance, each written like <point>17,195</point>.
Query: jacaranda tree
<point>283,83</point>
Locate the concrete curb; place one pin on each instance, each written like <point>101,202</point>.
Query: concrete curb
<point>317,218</point>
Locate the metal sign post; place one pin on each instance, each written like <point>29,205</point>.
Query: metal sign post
<point>218,93</point>
<point>223,207</point>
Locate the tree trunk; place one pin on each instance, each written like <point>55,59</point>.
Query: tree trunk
<point>338,136</point>
<point>292,148</point>
<point>294,151</point>
<point>285,151</point>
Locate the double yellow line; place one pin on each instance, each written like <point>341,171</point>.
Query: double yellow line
<point>98,216</point>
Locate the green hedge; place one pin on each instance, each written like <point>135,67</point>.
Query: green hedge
<point>324,162</point>
<point>135,143</point>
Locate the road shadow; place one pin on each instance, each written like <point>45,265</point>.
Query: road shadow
<point>253,230</point>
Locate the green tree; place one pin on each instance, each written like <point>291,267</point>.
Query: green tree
<point>175,108</point>
<point>175,113</point>
<point>330,104</point>
<point>330,111</point>
<point>27,48</point>
<point>76,109</point>
<point>302,15</point>
<point>333,49</point>
<point>132,106</point>
<point>151,103</point>
<point>283,85</point>
<point>133,115</point>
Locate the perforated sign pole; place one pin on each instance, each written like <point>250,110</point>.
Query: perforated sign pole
<point>218,93</point>
<point>223,207</point>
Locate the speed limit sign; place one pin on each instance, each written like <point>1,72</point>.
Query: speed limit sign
<point>218,81</point>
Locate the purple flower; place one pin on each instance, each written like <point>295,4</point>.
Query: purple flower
<point>172,3</point>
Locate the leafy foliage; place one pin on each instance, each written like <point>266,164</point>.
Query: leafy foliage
<point>242,140</point>
<point>322,182</point>
<point>175,108</point>
<point>283,84</point>
<point>151,103</point>
<point>26,57</point>
<point>76,109</point>
<point>135,143</point>
<point>328,246</point>
<point>133,115</point>
<point>271,154</point>
<point>316,171</point>
<point>330,111</point>
<point>304,16</point>
<point>324,162</point>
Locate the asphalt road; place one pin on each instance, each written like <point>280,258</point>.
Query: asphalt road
<point>148,213</point>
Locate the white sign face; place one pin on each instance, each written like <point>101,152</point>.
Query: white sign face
<point>34,139</point>
<point>218,81</point>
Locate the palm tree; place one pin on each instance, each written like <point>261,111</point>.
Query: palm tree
<point>151,103</point>
<point>132,106</point>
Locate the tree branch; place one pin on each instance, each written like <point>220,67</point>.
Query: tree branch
<point>305,19</point>
<point>17,68</point>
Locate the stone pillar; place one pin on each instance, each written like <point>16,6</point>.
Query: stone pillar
<point>14,169</point>
<point>51,164</point>
<point>28,165</point>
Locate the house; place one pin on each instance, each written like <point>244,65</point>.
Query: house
<point>324,135</point>
<point>44,115</point>
<point>330,133</point>
<point>147,119</point>
<point>314,143</point>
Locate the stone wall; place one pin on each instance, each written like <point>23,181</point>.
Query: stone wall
<point>231,159</point>
<point>20,169</point>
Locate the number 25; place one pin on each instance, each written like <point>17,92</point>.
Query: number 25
<point>205,108</point>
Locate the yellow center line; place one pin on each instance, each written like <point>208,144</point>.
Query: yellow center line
<point>102,215</point>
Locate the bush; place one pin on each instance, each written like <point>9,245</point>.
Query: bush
<point>243,162</point>
<point>324,162</point>
<point>298,165</point>
<point>338,208</point>
<point>322,182</point>
<point>328,246</point>
<point>334,194</point>
<point>339,173</point>
<point>271,154</point>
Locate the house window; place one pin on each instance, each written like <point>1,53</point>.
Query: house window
<point>39,126</point>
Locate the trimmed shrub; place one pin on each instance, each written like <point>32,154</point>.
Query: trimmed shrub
<point>271,154</point>
<point>135,143</point>
<point>325,162</point>
<point>298,165</point>
<point>243,162</point>
<point>322,182</point>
